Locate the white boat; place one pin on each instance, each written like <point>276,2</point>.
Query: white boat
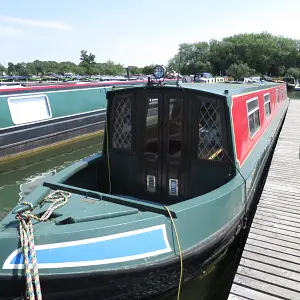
<point>297,87</point>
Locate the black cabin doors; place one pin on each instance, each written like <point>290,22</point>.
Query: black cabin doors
<point>162,173</point>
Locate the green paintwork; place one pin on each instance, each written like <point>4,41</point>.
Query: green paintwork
<point>62,102</point>
<point>196,219</point>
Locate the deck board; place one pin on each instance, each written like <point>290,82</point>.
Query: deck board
<point>269,268</point>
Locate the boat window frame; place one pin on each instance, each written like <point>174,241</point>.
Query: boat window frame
<point>252,135</point>
<point>281,93</point>
<point>269,103</point>
<point>30,96</point>
<point>215,100</point>
<point>120,95</point>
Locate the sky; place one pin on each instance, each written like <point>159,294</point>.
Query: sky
<point>131,32</point>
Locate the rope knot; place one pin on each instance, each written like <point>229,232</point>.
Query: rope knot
<point>57,199</point>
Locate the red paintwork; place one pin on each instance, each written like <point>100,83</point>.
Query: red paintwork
<point>243,143</point>
<point>60,86</point>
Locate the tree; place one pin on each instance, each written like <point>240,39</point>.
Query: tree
<point>191,58</point>
<point>2,69</point>
<point>134,70</point>
<point>240,70</point>
<point>148,70</point>
<point>20,69</point>
<point>11,68</point>
<point>294,72</point>
<point>87,62</point>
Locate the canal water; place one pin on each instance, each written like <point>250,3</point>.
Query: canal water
<point>19,178</point>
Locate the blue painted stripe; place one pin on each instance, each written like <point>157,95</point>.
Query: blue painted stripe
<point>136,244</point>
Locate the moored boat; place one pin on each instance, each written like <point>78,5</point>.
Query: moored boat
<point>39,115</point>
<point>290,82</point>
<point>162,202</point>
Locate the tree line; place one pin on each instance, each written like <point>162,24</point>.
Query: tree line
<point>87,66</point>
<point>238,55</point>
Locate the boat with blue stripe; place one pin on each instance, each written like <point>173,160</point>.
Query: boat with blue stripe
<point>158,206</point>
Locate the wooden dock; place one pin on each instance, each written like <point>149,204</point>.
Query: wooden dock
<point>269,268</point>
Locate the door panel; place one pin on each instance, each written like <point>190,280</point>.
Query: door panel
<point>152,145</point>
<point>162,157</point>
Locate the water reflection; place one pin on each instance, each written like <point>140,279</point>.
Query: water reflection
<point>19,178</point>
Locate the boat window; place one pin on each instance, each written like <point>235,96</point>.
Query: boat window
<point>27,109</point>
<point>267,105</point>
<point>210,143</point>
<point>152,126</point>
<point>285,95</point>
<point>281,94</point>
<point>253,116</point>
<point>175,126</point>
<point>277,95</point>
<point>122,124</point>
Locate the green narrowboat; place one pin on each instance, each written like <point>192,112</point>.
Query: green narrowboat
<point>36,116</point>
<point>158,206</point>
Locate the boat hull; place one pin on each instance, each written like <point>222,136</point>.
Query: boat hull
<point>33,136</point>
<point>154,276</point>
<point>144,282</point>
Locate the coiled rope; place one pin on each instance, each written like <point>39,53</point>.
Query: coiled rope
<point>57,198</point>
<point>180,253</point>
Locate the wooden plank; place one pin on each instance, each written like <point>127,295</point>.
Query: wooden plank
<point>276,187</point>
<point>273,270</point>
<point>272,253</point>
<point>235,297</point>
<point>270,278</point>
<point>281,232</point>
<point>279,213</point>
<point>289,210</point>
<point>277,220</point>
<point>279,226</point>
<point>278,199</point>
<point>241,292</point>
<point>272,214</point>
<point>276,177</point>
<point>274,241</point>
<point>263,286</point>
<point>278,248</point>
<point>272,261</point>
<point>275,235</point>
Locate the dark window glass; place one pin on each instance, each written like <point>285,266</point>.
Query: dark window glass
<point>175,126</point>
<point>152,125</point>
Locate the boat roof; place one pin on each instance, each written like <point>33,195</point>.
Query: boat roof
<point>222,89</point>
<point>230,88</point>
